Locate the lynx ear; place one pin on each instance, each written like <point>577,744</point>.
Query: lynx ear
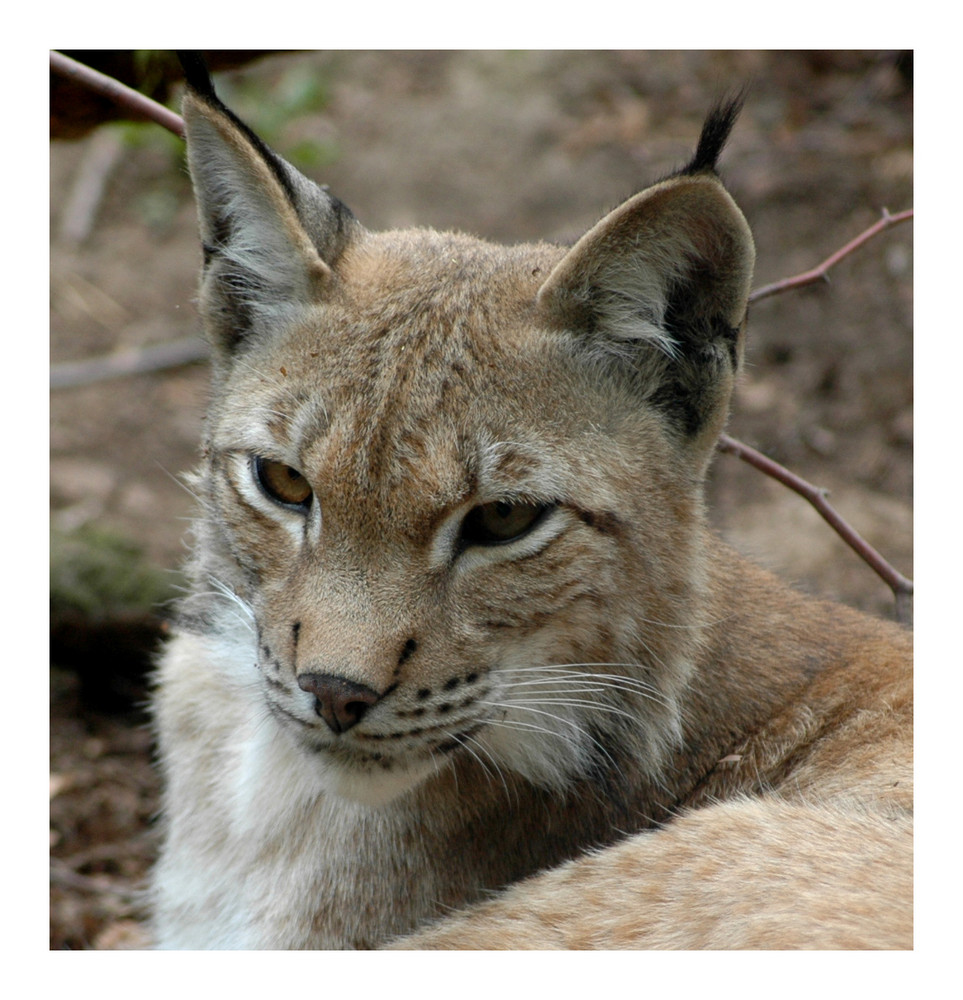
<point>660,286</point>
<point>270,235</point>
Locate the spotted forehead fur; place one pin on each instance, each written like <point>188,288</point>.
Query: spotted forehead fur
<point>365,384</point>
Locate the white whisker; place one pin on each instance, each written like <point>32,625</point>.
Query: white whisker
<point>560,677</point>
<point>576,703</point>
<point>483,749</point>
<point>507,722</point>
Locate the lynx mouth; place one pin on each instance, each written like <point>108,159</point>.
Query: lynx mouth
<point>374,766</point>
<point>432,743</point>
<point>378,776</point>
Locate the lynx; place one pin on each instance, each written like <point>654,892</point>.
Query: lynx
<point>462,665</point>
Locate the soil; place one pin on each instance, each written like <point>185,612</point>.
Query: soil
<point>511,146</point>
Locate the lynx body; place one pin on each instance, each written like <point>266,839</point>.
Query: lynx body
<point>462,665</point>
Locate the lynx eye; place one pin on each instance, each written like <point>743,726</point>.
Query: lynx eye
<point>500,521</point>
<point>281,483</point>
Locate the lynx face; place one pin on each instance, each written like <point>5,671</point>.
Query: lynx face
<point>439,474</point>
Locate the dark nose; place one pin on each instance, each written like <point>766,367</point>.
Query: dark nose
<point>340,702</point>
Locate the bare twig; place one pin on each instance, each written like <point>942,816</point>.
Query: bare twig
<point>901,586</point>
<point>138,104</point>
<point>820,272</point>
<point>129,361</point>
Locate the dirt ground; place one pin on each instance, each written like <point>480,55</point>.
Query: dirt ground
<point>511,146</point>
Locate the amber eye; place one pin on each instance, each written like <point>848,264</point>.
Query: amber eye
<point>281,483</point>
<point>500,521</point>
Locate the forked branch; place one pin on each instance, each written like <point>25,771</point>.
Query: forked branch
<point>821,271</point>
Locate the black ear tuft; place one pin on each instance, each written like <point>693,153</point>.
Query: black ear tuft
<point>198,79</point>
<point>196,74</point>
<point>271,237</point>
<point>714,134</point>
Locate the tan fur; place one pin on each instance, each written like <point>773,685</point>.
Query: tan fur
<point>692,754</point>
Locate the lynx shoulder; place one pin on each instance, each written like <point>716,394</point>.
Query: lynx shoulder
<point>462,665</point>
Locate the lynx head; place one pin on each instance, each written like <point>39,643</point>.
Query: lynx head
<point>451,490</point>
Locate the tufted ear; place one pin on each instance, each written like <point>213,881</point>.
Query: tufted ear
<point>660,288</point>
<point>270,235</point>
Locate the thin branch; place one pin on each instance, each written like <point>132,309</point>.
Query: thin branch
<point>901,586</point>
<point>135,102</point>
<point>820,272</point>
<point>128,361</point>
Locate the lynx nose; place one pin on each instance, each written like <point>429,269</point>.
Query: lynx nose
<point>340,702</point>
